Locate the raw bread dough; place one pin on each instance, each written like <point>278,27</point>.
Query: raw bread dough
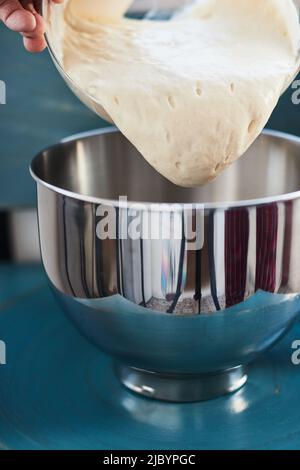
<point>191,93</point>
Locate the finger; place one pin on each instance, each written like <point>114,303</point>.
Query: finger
<point>34,41</point>
<point>34,44</point>
<point>15,17</point>
<point>39,29</point>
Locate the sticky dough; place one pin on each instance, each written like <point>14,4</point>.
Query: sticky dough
<point>191,93</point>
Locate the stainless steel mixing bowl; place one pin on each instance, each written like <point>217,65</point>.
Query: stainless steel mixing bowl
<point>182,307</point>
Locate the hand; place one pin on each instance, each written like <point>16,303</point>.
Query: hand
<point>22,16</point>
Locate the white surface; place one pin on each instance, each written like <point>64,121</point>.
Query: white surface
<point>24,235</point>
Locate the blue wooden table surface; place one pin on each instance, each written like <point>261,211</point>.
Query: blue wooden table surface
<point>57,391</point>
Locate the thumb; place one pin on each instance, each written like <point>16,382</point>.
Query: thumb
<point>15,17</point>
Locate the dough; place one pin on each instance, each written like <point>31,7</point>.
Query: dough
<point>192,93</point>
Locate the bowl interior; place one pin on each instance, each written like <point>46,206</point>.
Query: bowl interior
<point>105,165</point>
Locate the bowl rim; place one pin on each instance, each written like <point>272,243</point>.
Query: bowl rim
<point>159,206</point>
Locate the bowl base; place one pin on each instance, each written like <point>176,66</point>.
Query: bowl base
<point>182,388</point>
